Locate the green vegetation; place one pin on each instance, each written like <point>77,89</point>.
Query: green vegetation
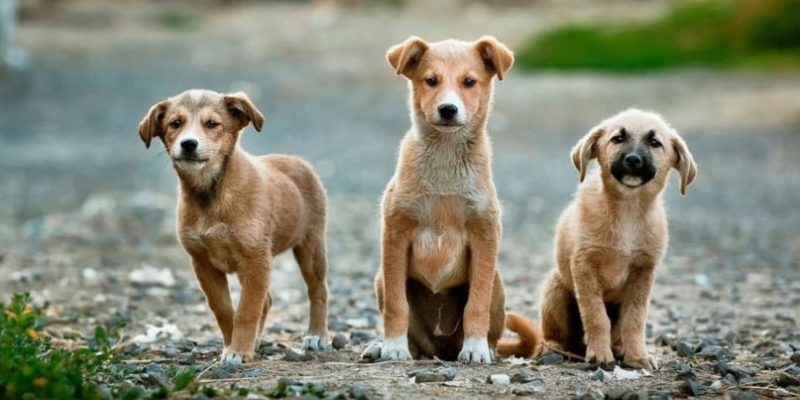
<point>744,33</point>
<point>33,366</point>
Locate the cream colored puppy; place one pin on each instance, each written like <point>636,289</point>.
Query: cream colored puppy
<point>609,241</point>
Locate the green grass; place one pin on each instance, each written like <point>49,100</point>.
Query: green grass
<point>720,34</point>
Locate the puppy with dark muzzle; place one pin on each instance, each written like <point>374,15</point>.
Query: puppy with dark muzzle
<point>609,242</point>
<point>237,211</point>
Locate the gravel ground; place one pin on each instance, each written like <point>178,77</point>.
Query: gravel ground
<point>88,216</point>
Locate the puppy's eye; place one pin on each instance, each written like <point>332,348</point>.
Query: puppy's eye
<point>175,124</point>
<point>655,143</point>
<point>432,81</point>
<point>211,124</point>
<point>469,82</point>
<point>620,137</point>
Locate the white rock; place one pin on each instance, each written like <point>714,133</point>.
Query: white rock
<point>155,333</point>
<point>623,374</point>
<point>500,379</point>
<point>150,275</point>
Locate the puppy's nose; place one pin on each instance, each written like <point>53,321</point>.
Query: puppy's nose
<point>633,161</point>
<point>448,111</point>
<point>189,145</point>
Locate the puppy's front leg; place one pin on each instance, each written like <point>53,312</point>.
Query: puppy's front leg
<point>634,318</point>
<point>254,277</point>
<point>214,284</point>
<point>484,235</point>
<point>394,264</point>
<point>596,325</point>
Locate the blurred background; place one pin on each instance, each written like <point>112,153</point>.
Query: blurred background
<point>87,218</point>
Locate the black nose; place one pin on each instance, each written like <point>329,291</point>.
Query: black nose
<point>447,111</point>
<point>189,145</point>
<point>633,161</point>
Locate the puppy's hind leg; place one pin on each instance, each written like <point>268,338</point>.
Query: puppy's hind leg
<point>311,258</point>
<point>558,330</point>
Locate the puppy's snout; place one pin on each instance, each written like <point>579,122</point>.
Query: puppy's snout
<point>633,161</point>
<point>448,111</point>
<point>189,145</point>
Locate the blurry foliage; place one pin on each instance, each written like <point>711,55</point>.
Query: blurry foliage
<point>760,33</point>
<point>179,20</point>
<point>30,367</point>
<point>33,367</point>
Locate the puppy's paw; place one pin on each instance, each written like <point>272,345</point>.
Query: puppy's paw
<point>642,361</point>
<point>600,356</point>
<point>315,343</point>
<point>476,350</point>
<point>232,359</point>
<point>395,349</point>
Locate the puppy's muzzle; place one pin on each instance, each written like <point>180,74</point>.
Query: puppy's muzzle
<point>633,169</point>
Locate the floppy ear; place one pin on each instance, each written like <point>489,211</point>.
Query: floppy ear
<point>496,56</point>
<point>405,57</point>
<point>584,151</point>
<point>151,125</point>
<point>243,109</point>
<point>684,163</point>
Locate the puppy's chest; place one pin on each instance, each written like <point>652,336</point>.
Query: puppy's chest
<point>440,242</point>
<point>630,246</point>
<point>220,242</point>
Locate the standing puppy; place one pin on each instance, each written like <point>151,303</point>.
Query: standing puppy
<point>611,239</point>
<point>438,288</point>
<point>237,211</point>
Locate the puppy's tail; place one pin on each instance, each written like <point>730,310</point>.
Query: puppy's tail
<point>529,340</point>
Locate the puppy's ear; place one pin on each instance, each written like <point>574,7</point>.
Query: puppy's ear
<point>152,124</point>
<point>243,109</point>
<point>584,151</point>
<point>496,56</point>
<point>405,57</point>
<point>684,162</point>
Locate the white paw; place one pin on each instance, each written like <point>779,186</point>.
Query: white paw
<point>315,343</point>
<point>476,350</point>
<point>395,349</point>
<point>230,359</point>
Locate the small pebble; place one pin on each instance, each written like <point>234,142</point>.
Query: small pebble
<point>600,375</point>
<point>499,379</point>
<point>425,376</point>
<point>686,349</point>
<point>522,377</point>
<point>358,337</point>
<point>551,359</point>
<point>786,380</point>
<point>360,391</point>
<point>339,341</point>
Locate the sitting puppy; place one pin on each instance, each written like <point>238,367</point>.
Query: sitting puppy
<point>438,287</point>
<point>609,242</point>
<point>237,211</point>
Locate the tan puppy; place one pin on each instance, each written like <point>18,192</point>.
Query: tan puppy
<point>438,287</point>
<point>237,211</point>
<point>610,240</point>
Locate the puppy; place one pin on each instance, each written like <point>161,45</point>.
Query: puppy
<point>438,287</point>
<point>610,240</point>
<point>237,211</point>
